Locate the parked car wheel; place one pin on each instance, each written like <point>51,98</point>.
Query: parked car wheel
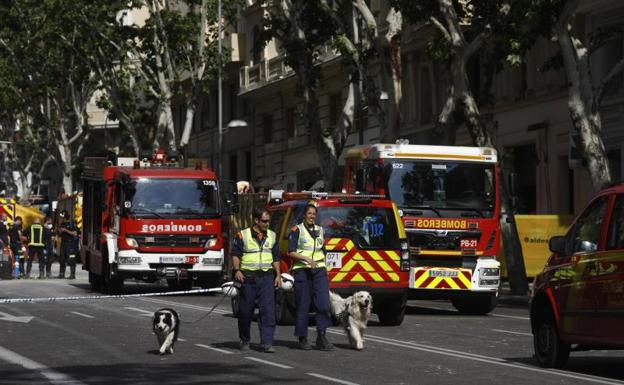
<point>550,350</point>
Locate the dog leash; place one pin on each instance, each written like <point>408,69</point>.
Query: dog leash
<point>226,295</point>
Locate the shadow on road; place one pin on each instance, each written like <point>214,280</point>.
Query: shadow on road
<point>159,373</point>
<point>418,310</point>
<point>609,367</point>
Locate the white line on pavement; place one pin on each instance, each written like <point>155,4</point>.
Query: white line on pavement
<point>144,312</point>
<point>181,339</point>
<point>485,359</point>
<point>269,363</point>
<point>82,314</point>
<point>188,306</point>
<point>213,348</point>
<point>510,332</point>
<point>332,379</point>
<point>510,316</point>
<point>53,376</point>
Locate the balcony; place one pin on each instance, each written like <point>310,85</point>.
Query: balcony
<point>272,70</point>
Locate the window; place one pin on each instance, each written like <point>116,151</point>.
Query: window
<point>233,101</point>
<point>426,96</point>
<point>267,128</point>
<point>248,165</point>
<point>586,232</point>
<point>335,104</point>
<point>233,167</point>
<point>289,122</point>
<point>615,238</point>
<point>256,48</point>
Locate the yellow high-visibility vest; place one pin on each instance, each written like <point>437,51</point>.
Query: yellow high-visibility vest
<point>36,236</point>
<point>256,257</point>
<point>310,246</point>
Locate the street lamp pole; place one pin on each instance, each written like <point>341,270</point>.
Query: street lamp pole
<point>219,94</point>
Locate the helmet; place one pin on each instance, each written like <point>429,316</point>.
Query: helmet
<point>288,282</point>
<point>229,289</point>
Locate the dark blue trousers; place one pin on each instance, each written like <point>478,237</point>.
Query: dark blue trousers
<point>258,287</point>
<point>311,285</point>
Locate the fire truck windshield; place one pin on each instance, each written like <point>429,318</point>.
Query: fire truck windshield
<point>442,188</point>
<point>159,197</point>
<point>367,227</point>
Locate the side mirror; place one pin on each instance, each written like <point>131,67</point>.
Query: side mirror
<point>360,180</point>
<point>557,244</point>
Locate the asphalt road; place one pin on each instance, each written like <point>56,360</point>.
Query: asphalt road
<point>109,341</point>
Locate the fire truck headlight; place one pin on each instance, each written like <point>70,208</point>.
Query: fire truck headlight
<point>490,272</point>
<point>210,243</point>
<point>131,242</point>
<point>404,251</point>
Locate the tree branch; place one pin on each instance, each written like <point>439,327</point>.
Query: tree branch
<point>441,28</point>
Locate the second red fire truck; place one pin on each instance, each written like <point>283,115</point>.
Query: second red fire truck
<point>449,201</point>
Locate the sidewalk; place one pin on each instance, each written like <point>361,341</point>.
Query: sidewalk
<point>34,273</point>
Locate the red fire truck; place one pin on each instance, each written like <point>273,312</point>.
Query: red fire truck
<point>150,219</point>
<point>448,198</point>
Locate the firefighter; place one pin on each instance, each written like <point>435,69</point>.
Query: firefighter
<point>305,247</point>
<point>4,231</point>
<point>36,246</point>
<point>256,266</point>
<point>48,239</point>
<point>15,240</point>
<point>69,245</point>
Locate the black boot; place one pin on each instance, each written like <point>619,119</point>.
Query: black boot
<point>304,344</point>
<point>321,341</point>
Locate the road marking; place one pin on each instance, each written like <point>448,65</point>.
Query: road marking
<point>144,312</point>
<point>188,306</point>
<point>12,318</point>
<point>510,332</point>
<point>269,363</point>
<point>510,316</point>
<point>82,314</point>
<point>53,376</point>
<point>181,339</point>
<point>213,348</point>
<point>485,359</point>
<point>332,379</point>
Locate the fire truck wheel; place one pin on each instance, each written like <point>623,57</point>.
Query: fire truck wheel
<point>391,314</point>
<point>284,312</point>
<point>113,285</point>
<point>550,350</point>
<point>235,306</point>
<point>476,306</point>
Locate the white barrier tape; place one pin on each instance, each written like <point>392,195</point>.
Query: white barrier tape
<point>120,296</point>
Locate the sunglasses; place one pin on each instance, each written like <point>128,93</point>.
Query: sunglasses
<point>264,220</point>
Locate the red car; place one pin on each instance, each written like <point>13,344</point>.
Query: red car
<point>577,302</point>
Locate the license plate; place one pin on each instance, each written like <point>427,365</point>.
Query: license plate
<point>333,260</point>
<point>442,273</point>
<point>468,243</point>
<point>171,259</point>
<point>191,260</point>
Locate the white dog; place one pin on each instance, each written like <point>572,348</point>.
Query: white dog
<point>166,326</point>
<point>353,313</point>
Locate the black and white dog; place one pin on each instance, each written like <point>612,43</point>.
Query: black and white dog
<point>353,313</point>
<point>166,327</point>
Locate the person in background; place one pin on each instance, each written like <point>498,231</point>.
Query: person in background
<point>36,246</point>
<point>4,231</point>
<point>17,247</point>
<point>68,231</point>
<point>48,251</point>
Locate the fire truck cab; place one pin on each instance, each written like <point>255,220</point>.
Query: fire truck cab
<point>448,199</point>
<point>150,219</point>
<point>365,245</point>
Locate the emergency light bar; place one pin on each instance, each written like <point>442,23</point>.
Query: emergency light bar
<point>287,196</point>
